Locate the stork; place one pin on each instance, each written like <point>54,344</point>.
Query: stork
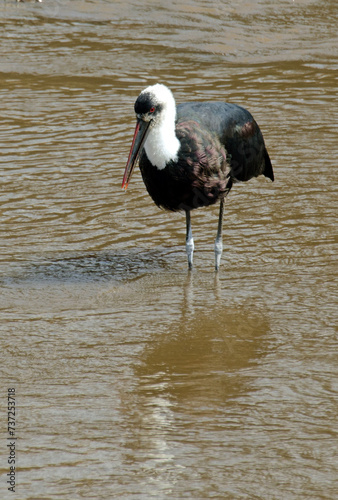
<point>191,154</point>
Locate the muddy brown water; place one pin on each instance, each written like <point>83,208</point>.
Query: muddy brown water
<point>135,379</point>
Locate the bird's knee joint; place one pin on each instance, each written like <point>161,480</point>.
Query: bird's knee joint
<point>218,247</point>
<point>190,245</point>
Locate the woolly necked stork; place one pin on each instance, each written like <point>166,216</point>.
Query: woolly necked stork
<point>191,154</point>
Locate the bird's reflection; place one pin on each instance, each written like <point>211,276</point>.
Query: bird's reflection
<point>197,370</point>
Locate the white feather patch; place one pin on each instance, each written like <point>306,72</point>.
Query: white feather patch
<point>162,144</point>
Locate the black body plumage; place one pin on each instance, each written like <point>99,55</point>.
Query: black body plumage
<point>219,143</point>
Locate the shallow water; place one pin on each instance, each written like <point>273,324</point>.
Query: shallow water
<point>134,378</point>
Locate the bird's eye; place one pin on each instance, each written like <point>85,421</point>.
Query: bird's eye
<point>151,110</point>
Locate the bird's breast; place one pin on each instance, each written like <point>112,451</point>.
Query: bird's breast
<point>199,177</point>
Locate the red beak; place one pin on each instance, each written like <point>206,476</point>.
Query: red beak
<point>140,135</point>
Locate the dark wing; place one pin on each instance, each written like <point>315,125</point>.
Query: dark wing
<point>237,131</point>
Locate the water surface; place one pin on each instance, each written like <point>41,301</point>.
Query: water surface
<point>134,378</point>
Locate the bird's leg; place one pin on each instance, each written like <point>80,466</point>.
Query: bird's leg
<point>218,242</point>
<point>189,241</point>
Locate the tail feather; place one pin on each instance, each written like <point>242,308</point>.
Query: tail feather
<point>268,172</point>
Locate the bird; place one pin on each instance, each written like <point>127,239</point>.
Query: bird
<point>191,154</point>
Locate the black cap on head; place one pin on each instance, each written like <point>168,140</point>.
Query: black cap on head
<point>144,103</point>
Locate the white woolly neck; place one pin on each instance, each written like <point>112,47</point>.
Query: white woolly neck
<point>162,144</point>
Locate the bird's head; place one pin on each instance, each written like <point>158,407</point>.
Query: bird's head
<point>154,105</point>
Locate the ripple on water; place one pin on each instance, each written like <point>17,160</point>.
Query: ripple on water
<point>136,379</point>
